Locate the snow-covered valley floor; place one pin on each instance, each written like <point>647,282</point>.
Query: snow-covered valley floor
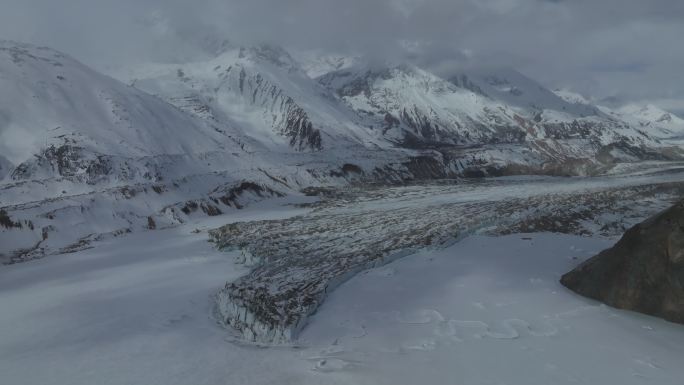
<point>486,310</point>
<point>135,310</point>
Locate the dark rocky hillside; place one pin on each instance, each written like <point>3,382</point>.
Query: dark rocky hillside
<point>643,272</point>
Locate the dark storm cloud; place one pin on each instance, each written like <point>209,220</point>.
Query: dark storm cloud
<point>627,48</point>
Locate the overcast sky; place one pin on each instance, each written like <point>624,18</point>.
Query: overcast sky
<point>626,48</point>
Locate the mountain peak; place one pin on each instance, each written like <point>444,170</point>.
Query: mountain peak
<point>270,54</point>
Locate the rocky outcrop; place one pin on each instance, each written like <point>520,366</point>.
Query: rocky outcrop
<point>66,161</point>
<point>643,272</point>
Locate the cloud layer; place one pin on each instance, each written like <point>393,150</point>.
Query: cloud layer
<point>624,48</point>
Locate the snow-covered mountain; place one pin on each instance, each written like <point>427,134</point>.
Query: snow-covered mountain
<point>317,63</point>
<point>515,89</point>
<point>657,122</point>
<point>654,120</point>
<point>571,96</point>
<point>508,121</point>
<point>261,89</point>
<point>84,156</point>
<point>411,107</point>
<point>415,107</point>
<point>58,118</point>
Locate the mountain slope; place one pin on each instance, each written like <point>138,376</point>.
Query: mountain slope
<point>505,106</point>
<point>264,91</point>
<point>487,123</point>
<point>515,89</point>
<point>409,106</point>
<point>656,121</point>
<point>85,156</point>
<point>73,105</point>
<point>355,106</point>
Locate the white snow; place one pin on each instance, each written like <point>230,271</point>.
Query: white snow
<point>488,311</point>
<point>516,89</point>
<point>133,311</point>
<point>249,89</point>
<point>48,98</point>
<point>657,122</point>
<point>318,63</point>
<point>138,310</point>
<point>571,96</point>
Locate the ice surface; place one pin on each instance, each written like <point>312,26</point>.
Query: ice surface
<point>484,311</point>
<point>298,261</point>
<point>133,311</point>
<point>488,311</point>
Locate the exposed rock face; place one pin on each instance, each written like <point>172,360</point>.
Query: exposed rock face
<point>280,110</point>
<point>66,161</point>
<point>416,109</point>
<point>246,87</point>
<point>643,272</point>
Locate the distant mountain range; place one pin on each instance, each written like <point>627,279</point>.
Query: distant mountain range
<point>84,156</point>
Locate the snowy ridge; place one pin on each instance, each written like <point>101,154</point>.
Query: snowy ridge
<point>415,108</point>
<point>84,155</point>
<point>250,123</point>
<point>571,97</point>
<point>656,121</point>
<point>317,64</point>
<point>515,89</point>
<point>263,91</point>
<point>235,93</point>
<point>71,104</point>
<point>404,102</point>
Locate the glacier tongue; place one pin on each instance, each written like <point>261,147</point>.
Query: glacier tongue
<point>300,260</point>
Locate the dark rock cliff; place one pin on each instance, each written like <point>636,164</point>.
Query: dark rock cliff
<point>643,272</point>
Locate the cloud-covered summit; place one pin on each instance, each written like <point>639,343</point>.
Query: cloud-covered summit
<point>623,48</point>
